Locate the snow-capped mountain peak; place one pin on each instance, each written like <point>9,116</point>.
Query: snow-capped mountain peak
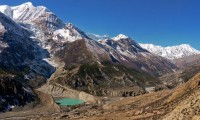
<point>27,13</point>
<point>22,11</point>
<point>171,52</point>
<point>120,36</point>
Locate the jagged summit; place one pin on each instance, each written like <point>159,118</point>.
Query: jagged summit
<point>120,36</point>
<point>34,15</point>
<point>24,11</point>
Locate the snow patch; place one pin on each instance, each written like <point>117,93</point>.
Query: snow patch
<point>97,37</point>
<point>65,35</point>
<point>6,10</point>
<point>120,36</point>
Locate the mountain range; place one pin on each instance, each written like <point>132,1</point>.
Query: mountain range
<point>51,33</point>
<point>170,52</point>
<point>36,46</point>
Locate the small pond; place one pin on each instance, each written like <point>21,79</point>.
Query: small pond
<point>69,101</point>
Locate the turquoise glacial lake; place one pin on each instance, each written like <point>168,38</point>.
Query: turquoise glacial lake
<point>69,101</point>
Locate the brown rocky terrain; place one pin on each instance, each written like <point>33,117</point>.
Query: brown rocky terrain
<point>105,79</point>
<point>180,103</point>
<point>187,61</point>
<point>179,77</point>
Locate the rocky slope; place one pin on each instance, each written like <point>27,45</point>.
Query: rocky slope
<point>183,75</point>
<point>125,50</point>
<point>187,61</point>
<point>22,57</point>
<point>105,79</point>
<point>13,92</point>
<point>20,52</point>
<point>180,103</point>
<point>188,105</point>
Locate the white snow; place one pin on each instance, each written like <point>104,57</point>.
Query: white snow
<point>11,25</point>
<point>51,62</point>
<point>125,53</point>
<point>6,10</point>
<point>27,12</point>
<point>97,37</point>
<point>113,55</point>
<point>171,52</point>
<point>67,35</point>
<point>120,36</point>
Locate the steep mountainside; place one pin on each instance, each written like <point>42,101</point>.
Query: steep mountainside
<point>21,63</point>
<point>126,51</point>
<point>173,52</point>
<point>105,79</point>
<point>18,50</point>
<point>181,76</point>
<point>13,91</point>
<point>187,98</point>
<point>187,61</point>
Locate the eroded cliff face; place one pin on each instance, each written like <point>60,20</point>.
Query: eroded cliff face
<point>60,91</point>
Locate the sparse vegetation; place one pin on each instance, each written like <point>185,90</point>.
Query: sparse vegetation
<point>98,79</point>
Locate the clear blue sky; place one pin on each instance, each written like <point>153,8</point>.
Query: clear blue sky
<point>161,22</point>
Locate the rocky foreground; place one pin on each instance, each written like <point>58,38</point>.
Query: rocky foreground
<point>180,103</point>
